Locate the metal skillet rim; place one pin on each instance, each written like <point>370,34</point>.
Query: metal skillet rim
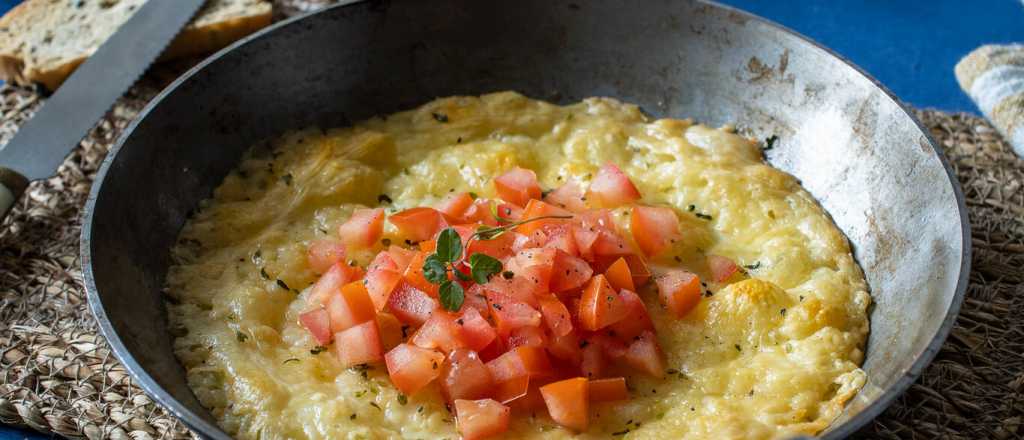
<point>207,429</point>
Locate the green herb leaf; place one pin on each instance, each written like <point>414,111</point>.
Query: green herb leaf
<point>434,269</point>
<point>451,295</point>
<point>461,276</point>
<point>483,267</point>
<point>449,246</point>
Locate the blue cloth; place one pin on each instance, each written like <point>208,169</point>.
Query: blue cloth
<point>910,46</point>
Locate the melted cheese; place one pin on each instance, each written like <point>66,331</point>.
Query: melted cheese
<point>764,357</point>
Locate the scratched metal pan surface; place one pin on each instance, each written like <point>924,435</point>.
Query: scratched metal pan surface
<point>849,141</point>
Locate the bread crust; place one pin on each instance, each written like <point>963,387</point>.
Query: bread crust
<point>17,67</point>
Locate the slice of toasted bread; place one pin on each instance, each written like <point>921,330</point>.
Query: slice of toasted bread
<point>43,41</point>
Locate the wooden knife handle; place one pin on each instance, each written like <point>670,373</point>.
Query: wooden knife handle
<point>12,185</point>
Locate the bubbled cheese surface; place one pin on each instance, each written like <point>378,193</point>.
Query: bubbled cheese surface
<point>772,354</point>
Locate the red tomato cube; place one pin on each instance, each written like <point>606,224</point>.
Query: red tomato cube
<point>363,228</point>
<point>568,196</point>
<point>566,348</point>
<point>512,390</point>
<point>638,269</point>
<point>520,361</point>
<point>381,278</point>
<point>611,187</point>
<point>509,314</point>
<point>401,256</point>
<point>555,314</point>
<point>508,213</point>
<point>654,228</point>
<point>608,390</point>
<point>411,305</point>
<point>529,336</point>
<point>322,254</point>
<point>414,275</point>
<point>619,276</point>
<point>594,363</point>
<point>722,268</point>
<point>568,402</point>
<point>679,290</point>
<point>498,247</point>
<point>568,272</point>
<point>600,305</point>
<point>318,322</point>
<point>535,209</point>
<point>390,329</point>
<point>412,368</point>
<point>479,419</point>
<point>455,205</point>
<point>330,282</point>
<point>439,332</point>
<point>418,224</point>
<point>645,355</point>
<point>464,376</point>
<point>476,331</point>
<point>350,306</point>
<point>637,319</point>
<point>359,345</point>
<point>517,186</point>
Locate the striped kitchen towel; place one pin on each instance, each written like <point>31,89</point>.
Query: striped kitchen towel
<point>993,76</point>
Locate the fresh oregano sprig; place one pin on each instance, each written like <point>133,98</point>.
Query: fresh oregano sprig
<point>447,257</point>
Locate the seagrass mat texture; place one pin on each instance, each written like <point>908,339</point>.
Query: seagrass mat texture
<point>58,376</point>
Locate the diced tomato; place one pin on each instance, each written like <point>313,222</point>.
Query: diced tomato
<point>350,306</point>
<point>612,346</point>
<point>531,402</point>
<point>411,367</point>
<point>566,348</point>
<point>322,254</point>
<point>478,419</point>
<point>555,315</point>
<point>722,268</point>
<point>363,228</point>
<point>418,224</point>
<point>654,228</point>
<point>618,275</point>
<point>535,265</point>
<point>568,196</point>
<point>600,306</point>
<point>318,322</point>
<point>476,331</point>
<point>476,298</point>
<point>568,402</point>
<point>382,276</point>
<point>428,246</point>
<point>330,282</point>
<point>536,208</point>
<point>560,237</point>
<point>568,272</point>
<point>509,314</point>
<point>480,212</point>
<point>585,237</point>
<point>414,275</point>
<point>359,344</point>
<point>528,336</point>
<point>401,256</point>
<point>611,187</point>
<point>601,219</point>
<point>534,240</point>
<point>608,390</point>
<point>509,212</point>
<point>390,330</point>
<point>455,205</point>
<point>411,305</point>
<point>679,290</point>
<point>637,319</point>
<point>493,350</point>
<point>511,390</point>
<point>593,362</point>
<point>638,269</point>
<point>439,332</point>
<point>645,355</point>
<point>610,243</point>
<point>517,186</point>
<point>522,287</point>
<point>464,376</point>
<point>498,247</point>
<point>520,361</point>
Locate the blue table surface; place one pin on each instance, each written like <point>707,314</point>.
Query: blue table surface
<point>910,46</point>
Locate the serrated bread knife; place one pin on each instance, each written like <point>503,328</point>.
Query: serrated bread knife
<point>40,146</point>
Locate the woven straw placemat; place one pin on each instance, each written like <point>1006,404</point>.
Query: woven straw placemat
<point>58,376</point>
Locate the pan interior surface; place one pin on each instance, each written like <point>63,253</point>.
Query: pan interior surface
<point>850,143</point>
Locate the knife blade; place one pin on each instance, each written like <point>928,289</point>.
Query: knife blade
<point>42,143</point>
